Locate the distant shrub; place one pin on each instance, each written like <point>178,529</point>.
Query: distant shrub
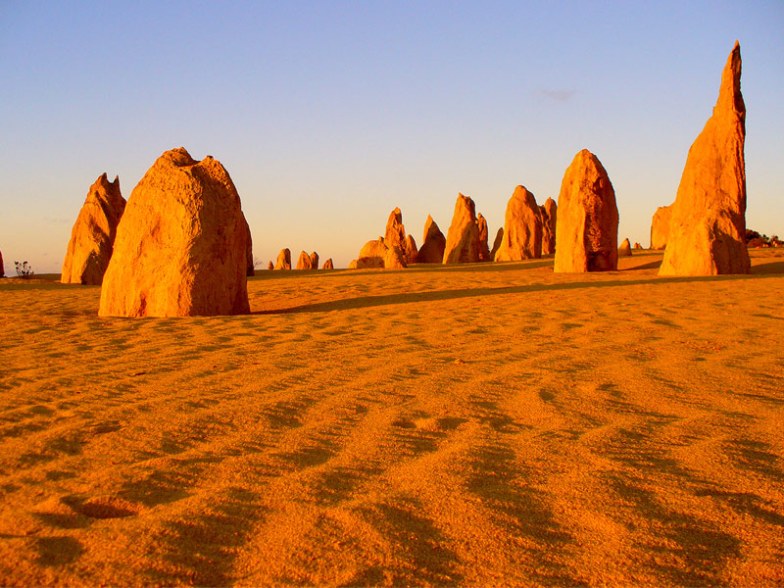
<point>24,269</point>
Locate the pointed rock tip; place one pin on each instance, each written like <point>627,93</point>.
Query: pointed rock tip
<point>729,93</point>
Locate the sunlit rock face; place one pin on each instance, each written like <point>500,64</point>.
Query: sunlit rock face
<point>522,237</point>
<point>625,249</point>
<point>660,227</point>
<point>462,239</point>
<point>181,246</point>
<point>708,225</point>
<point>376,254</point>
<point>484,249</point>
<point>283,262</point>
<point>587,228</point>
<point>93,234</point>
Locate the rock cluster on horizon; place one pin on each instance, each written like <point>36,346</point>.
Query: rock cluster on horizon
<point>92,237</point>
<point>587,228</point>
<point>283,261</point>
<point>708,224</point>
<point>660,227</point>
<point>433,243</point>
<point>522,236</point>
<point>181,246</point>
<point>549,214</point>
<point>462,239</point>
<point>328,265</point>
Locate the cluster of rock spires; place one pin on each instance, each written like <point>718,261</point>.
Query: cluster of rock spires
<point>467,237</point>
<point>181,245</point>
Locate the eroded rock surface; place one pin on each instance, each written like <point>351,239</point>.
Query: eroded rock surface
<point>587,228</point>
<point>92,237</point>
<point>708,225</point>
<point>181,245</point>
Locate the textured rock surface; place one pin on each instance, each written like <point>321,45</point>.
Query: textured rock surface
<point>314,260</point>
<point>462,239</point>
<point>328,265</point>
<point>587,228</point>
<point>522,238</point>
<point>376,254</point>
<point>549,212</point>
<point>625,249</point>
<point>708,225</point>
<point>181,244</point>
<point>304,262</point>
<point>484,249</point>
<point>660,226</point>
<point>251,266</point>
<point>93,233</point>
<point>372,254</point>
<point>284,260</point>
<point>433,243</point>
<point>395,233</point>
<point>499,237</point>
<point>410,249</point>
<point>394,258</point>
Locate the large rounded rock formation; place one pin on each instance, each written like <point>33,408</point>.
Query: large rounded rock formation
<point>708,225</point>
<point>462,239</point>
<point>587,228</point>
<point>93,234</point>
<point>433,243</point>
<point>377,254</point>
<point>181,246</point>
<point>522,237</point>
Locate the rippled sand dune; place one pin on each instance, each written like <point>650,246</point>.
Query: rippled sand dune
<point>485,424</point>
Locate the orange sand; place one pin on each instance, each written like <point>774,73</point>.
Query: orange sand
<point>484,424</point>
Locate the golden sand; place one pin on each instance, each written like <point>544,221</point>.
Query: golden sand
<point>476,425</point>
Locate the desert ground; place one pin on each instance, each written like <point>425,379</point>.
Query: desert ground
<point>488,424</point>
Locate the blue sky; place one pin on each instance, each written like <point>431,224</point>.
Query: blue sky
<point>329,114</point>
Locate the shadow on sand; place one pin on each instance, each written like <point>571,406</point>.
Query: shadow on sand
<point>441,295</point>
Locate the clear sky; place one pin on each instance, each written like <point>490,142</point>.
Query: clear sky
<point>328,114</point>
